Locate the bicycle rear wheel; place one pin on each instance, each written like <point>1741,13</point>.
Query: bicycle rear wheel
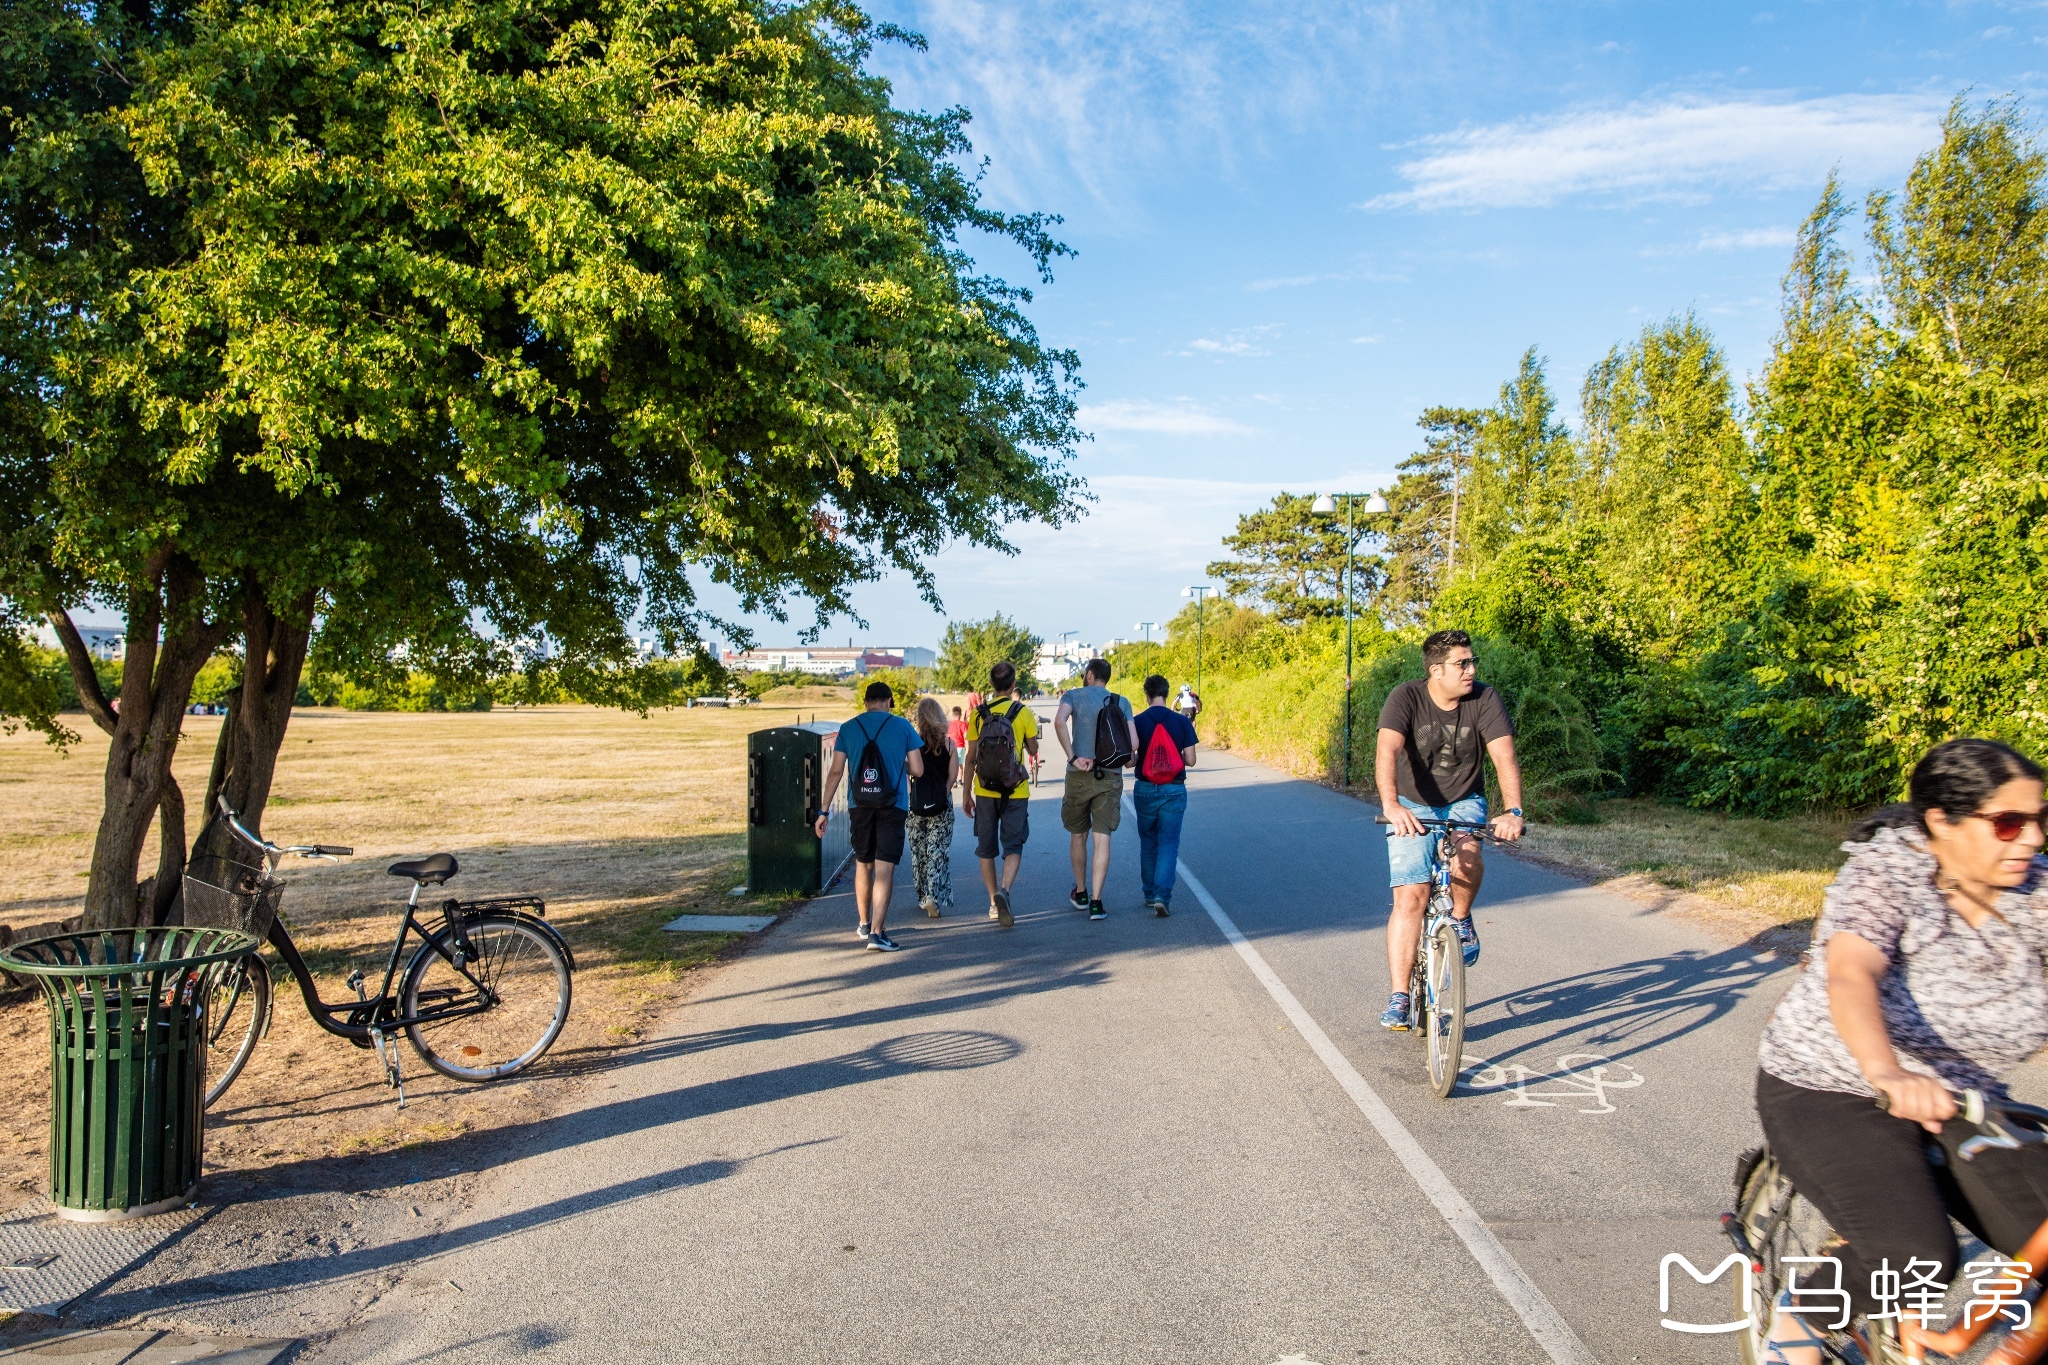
<point>237,1017</point>
<point>1445,1016</point>
<point>524,978</point>
<point>1779,1223</point>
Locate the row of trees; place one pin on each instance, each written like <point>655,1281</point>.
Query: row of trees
<point>405,332</point>
<point>1773,599</point>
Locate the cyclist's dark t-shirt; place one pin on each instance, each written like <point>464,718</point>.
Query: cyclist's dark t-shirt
<point>1444,757</point>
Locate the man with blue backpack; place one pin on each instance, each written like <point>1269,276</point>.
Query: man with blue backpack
<point>881,745</point>
<point>1166,750</point>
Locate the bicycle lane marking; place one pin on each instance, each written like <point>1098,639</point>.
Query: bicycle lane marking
<point>1544,1322</point>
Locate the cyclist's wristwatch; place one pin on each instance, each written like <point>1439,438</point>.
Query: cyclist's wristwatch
<point>1515,811</point>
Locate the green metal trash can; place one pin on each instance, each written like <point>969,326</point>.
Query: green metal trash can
<point>127,1062</point>
<point>786,769</point>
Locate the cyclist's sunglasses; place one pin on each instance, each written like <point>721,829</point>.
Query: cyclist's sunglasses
<point>2007,824</point>
<point>1462,665</point>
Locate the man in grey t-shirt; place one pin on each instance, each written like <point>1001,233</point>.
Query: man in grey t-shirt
<point>1091,806</point>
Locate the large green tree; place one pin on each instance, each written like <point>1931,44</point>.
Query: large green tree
<point>970,648</point>
<point>1290,560</point>
<point>536,314</point>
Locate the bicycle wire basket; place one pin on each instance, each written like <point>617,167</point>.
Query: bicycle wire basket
<point>228,893</point>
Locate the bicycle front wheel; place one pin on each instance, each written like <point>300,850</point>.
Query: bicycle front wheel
<point>237,1017</point>
<point>518,977</point>
<point>1445,1017</point>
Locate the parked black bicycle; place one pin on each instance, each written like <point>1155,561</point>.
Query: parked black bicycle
<point>483,996</point>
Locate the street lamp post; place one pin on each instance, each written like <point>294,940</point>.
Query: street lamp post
<point>1146,626</point>
<point>1200,592</point>
<point>1325,504</point>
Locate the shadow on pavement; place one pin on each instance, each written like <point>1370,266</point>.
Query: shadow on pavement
<point>1628,1008</point>
<point>947,1050</point>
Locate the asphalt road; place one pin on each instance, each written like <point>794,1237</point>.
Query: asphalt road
<point>1114,1141</point>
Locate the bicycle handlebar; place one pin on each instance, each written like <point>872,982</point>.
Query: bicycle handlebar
<point>1429,823</point>
<point>333,852</point>
<point>1992,1119</point>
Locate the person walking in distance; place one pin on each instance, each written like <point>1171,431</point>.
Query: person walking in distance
<point>930,827</point>
<point>1187,703</point>
<point>1002,735</point>
<point>883,746</point>
<point>956,730</point>
<point>1435,735</point>
<point>1166,750</point>
<point>1093,726</point>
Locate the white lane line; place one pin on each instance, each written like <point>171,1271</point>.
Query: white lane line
<point>1544,1322</point>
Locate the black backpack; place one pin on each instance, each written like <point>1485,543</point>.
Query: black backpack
<point>995,752</point>
<point>873,788</point>
<point>1112,736</point>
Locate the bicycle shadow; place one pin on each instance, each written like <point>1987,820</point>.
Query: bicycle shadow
<point>1622,1010</point>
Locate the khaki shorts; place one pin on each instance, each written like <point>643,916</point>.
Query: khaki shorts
<point>1091,803</point>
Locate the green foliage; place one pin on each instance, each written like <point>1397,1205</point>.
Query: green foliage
<point>760,684</point>
<point>970,648</point>
<point>904,684</point>
<point>1755,611</point>
<point>1291,561</point>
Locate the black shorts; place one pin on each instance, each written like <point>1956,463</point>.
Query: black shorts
<point>878,834</point>
<point>1001,819</point>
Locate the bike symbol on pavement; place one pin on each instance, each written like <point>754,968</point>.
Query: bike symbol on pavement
<point>1585,1077</point>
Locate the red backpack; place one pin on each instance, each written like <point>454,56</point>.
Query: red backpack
<point>1162,761</point>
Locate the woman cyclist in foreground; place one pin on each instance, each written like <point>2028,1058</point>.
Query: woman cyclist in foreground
<point>1926,978</point>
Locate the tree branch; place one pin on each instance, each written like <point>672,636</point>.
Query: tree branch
<point>83,675</point>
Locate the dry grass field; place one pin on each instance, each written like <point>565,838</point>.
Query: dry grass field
<point>621,823</point>
<point>1745,877</point>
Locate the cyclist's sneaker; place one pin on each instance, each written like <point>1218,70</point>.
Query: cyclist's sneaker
<point>1468,939</point>
<point>1003,915</point>
<point>881,943</point>
<point>861,933</point>
<point>1095,910</point>
<point>1395,1016</point>
<point>1078,898</point>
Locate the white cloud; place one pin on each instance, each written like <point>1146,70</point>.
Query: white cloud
<point>1365,341</point>
<point>1748,239</point>
<point>1181,417</point>
<point>1240,341</point>
<point>1675,148</point>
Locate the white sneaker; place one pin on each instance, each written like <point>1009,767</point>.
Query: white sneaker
<point>861,932</point>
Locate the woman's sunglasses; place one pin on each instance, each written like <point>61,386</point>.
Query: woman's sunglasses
<point>2007,824</point>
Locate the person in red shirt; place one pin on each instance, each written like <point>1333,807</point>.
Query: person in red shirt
<point>956,729</point>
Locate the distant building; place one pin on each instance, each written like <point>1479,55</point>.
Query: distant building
<point>826,663</point>
<point>1060,660</point>
<point>913,656</point>
<point>99,642</point>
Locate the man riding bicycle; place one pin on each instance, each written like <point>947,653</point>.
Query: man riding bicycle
<point>1435,735</point>
<point>1925,980</point>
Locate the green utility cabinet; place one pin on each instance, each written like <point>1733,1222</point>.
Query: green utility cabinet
<point>786,769</point>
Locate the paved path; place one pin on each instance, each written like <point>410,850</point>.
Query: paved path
<point>1083,1142</point>
<point>1079,1141</point>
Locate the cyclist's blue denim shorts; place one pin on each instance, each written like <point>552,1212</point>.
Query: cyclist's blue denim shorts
<point>1412,858</point>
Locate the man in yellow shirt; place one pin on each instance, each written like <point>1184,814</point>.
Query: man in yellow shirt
<point>998,796</point>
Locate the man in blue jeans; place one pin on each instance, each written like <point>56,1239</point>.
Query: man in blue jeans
<point>1166,750</point>
<point>1436,734</point>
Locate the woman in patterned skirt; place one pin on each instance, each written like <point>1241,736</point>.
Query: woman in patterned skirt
<point>929,829</point>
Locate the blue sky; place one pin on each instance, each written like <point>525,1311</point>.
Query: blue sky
<point>1301,223</point>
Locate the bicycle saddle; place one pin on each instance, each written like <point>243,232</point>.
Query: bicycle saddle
<point>432,870</point>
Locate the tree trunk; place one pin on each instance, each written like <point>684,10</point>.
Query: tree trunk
<point>169,640</point>
<point>252,732</point>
